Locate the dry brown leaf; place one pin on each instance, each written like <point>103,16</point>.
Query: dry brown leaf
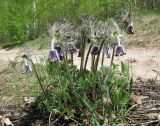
<point>135,99</point>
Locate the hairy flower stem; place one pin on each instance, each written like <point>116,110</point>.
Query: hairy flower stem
<point>93,90</point>
<point>98,56</point>
<point>83,54</point>
<point>102,58</point>
<point>92,63</point>
<point>87,56</point>
<point>114,46</point>
<point>39,81</point>
<point>67,70</point>
<point>69,77</point>
<point>71,59</point>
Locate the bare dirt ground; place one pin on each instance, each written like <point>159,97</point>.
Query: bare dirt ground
<point>141,61</point>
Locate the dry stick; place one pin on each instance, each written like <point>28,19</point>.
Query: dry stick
<point>114,46</point>
<point>98,56</point>
<point>50,115</point>
<point>87,56</point>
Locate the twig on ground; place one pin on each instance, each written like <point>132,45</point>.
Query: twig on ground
<point>49,122</point>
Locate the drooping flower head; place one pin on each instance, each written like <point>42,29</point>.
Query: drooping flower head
<point>119,48</point>
<point>25,56</point>
<point>130,28</point>
<point>60,52</point>
<point>53,56</point>
<point>120,51</point>
<point>95,50</point>
<point>62,34</point>
<point>72,48</point>
<point>116,38</point>
<point>107,52</point>
<point>26,68</point>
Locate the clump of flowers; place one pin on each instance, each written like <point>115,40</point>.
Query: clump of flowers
<point>26,68</point>
<point>24,57</point>
<point>62,41</point>
<point>75,88</point>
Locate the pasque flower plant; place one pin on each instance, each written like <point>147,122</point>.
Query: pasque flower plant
<point>99,89</point>
<point>27,68</point>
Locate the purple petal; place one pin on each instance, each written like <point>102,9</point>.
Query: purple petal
<point>107,52</point>
<point>119,51</point>
<point>130,30</point>
<point>53,56</point>
<point>60,52</point>
<point>94,50</point>
<point>72,48</point>
<point>27,69</point>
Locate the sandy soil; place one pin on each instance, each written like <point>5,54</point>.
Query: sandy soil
<point>142,61</point>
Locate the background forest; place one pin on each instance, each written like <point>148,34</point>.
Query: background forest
<point>24,20</point>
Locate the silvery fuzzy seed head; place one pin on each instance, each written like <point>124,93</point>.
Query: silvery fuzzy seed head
<point>24,53</point>
<point>63,31</point>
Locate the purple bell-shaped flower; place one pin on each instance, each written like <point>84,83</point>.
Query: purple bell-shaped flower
<point>60,52</point>
<point>27,68</point>
<point>72,48</point>
<point>120,48</point>
<point>107,52</point>
<point>95,50</point>
<point>120,51</point>
<point>130,29</point>
<point>53,56</point>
